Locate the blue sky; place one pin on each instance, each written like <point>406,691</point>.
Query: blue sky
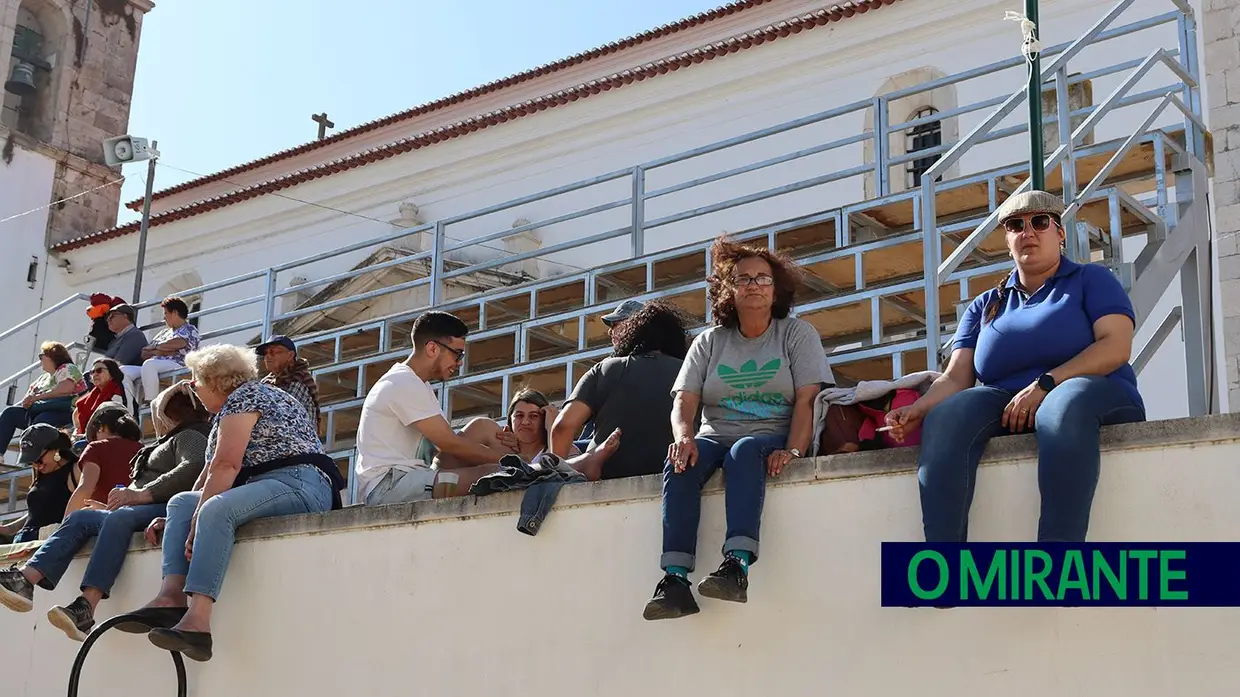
<point>227,81</point>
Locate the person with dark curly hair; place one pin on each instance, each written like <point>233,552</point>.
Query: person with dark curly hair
<point>754,375</point>
<point>629,392</point>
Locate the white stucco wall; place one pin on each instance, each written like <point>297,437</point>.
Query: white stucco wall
<point>759,87</point>
<point>453,606</point>
<point>25,184</point>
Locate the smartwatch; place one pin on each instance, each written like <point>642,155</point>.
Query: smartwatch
<point>1045,382</point>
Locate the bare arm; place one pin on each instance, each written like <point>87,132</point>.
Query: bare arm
<point>1111,349</point>
<point>801,431</point>
<point>222,471</point>
<point>684,409</point>
<point>958,377</point>
<point>90,477</point>
<point>567,425</point>
<point>466,452</point>
<point>13,526</point>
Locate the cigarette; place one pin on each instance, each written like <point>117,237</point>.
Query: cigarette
<point>884,428</point>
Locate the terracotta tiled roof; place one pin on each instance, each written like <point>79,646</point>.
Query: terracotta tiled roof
<point>709,52</point>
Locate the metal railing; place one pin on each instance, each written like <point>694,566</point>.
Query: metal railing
<point>1065,156</point>
<point>636,191</point>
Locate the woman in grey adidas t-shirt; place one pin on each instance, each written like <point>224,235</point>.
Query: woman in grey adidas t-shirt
<point>755,376</point>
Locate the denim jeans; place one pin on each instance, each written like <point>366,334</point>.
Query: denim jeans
<point>744,471</point>
<point>18,418</point>
<point>112,531</point>
<point>955,434</point>
<point>286,491</point>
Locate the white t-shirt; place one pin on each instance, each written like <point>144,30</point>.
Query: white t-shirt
<point>387,437</point>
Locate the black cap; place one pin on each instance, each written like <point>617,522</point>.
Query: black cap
<point>37,440</point>
<point>279,340</point>
<point>127,310</point>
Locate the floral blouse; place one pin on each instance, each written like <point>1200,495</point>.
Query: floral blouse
<point>284,428</point>
<point>186,331</point>
<point>47,381</point>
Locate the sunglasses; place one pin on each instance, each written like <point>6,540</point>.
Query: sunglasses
<point>96,371</point>
<point>759,280</point>
<point>1040,223</point>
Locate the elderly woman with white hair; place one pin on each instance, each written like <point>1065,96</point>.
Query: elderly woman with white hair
<point>264,459</point>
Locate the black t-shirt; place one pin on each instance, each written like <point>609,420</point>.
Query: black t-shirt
<point>633,394</point>
<point>47,499</point>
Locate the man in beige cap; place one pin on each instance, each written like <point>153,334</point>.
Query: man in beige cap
<point>1050,346</point>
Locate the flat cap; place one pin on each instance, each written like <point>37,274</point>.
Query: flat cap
<point>1030,202</point>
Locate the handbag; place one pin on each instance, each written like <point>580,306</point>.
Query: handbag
<point>52,404</point>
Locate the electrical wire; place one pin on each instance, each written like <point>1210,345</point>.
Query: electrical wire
<point>63,200</point>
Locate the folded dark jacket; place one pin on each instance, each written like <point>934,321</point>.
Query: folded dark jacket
<point>515,473</point>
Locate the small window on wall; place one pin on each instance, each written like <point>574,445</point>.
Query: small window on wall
<point>926,136</point>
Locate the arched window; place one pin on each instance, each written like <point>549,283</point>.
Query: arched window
<point>924,136</point>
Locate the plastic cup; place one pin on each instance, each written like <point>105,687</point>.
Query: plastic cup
<point>445,484</point>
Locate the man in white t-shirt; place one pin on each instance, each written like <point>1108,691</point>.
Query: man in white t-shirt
<point>402,424</point>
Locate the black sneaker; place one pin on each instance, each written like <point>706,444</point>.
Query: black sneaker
<point>729,582</point>
<point>75,621</point>
<point>673,598</point>
<point>16,593</point>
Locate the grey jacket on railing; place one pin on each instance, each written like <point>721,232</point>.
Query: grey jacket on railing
<point>172,464</point>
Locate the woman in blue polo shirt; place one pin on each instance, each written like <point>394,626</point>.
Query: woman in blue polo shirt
<point>1050,346</point>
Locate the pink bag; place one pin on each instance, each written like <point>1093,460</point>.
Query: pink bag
<point>876,419</point>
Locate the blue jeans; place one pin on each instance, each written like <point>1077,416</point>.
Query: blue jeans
<point>955,434</point>
<point>112,531</point>
<point>286,491</point>
<point>744,471</point>
<point>18,418</point>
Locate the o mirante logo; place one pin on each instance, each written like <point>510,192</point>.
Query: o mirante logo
<point>1201,574</point>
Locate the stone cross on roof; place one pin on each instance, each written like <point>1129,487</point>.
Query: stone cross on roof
<point>324,124</point>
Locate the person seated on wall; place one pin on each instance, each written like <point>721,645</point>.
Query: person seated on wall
<point>530,415</point>
<point>264,459</point>
<point>166,467</point>
<point>113,438</point>
<point>167,351</point>
<point>631,392</point>
<point>49,399</point>
<point>614,321</point>
<point>108,381</point>
<point>289,372</point>
<point>1050,346</point>
<point>402,426</point>
<point>755,375</point>
<point>49,453</point>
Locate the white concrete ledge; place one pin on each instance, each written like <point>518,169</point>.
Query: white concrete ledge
<point>805,471</point>
<point>1154,434</point>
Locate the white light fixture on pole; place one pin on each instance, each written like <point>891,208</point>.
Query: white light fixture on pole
<point>124,150</point>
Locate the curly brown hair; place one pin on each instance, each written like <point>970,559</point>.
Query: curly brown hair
<point>725,255</point>
<point>659,326</point>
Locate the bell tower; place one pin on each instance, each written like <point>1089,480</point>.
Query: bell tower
<point>68,83</point>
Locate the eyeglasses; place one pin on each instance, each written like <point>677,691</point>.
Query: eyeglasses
<point>95,371</point>
<point>759,280</point>
<point>1040,223</point>
<point>459,354</point>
